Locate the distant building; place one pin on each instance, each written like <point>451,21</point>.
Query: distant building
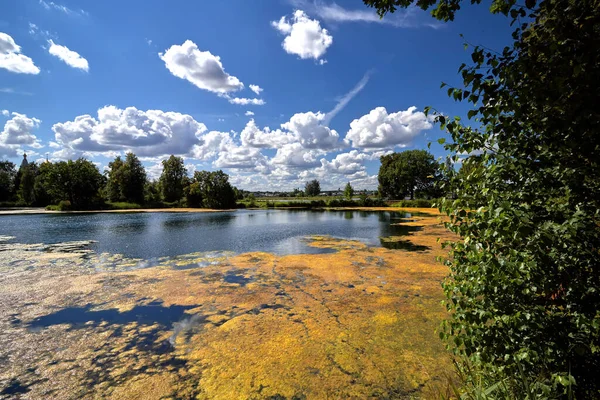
<point>24,163</point>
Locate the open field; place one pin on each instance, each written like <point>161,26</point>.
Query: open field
<point>357,323</point>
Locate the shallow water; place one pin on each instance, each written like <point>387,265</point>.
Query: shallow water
<point>149,235</point>
<point>218,322</point>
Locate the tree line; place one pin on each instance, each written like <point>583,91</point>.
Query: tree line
<point>79,185</point>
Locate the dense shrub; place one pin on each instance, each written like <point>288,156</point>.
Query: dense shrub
<point>419,203</point>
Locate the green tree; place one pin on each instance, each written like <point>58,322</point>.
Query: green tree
<point>27,184</point>
<point>173,179</point>
<point>407,172</point>
<point>152,193</point>
<point>211,190</point>
<point>7,180</point>
<point>126,179</point>
<point>76,181</point>
<point>348,191</point>
<point>115,180</point>
<point>134,179</point>
<point>41,195</point>
<point>523,289</point>
<point>312,188</point>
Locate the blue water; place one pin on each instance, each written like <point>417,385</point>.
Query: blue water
<point>146,235</point>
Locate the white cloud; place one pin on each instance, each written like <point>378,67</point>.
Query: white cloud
<point>13,91</point>
<point>294,155</point>
<point>310,132</point>
<point>5,113</point>
<point>248,113</point>
<point>70,57</point>
<point>245,101</point>
<point>345,163</point>
<point>304,36</point>
<point>18,130</point>
<point>346,98</point>
<point>201,68</point>
<point>211,145</point>
<point>148,133</point>
<point>402,18</point>
<point>11,58</point>
<point>239,157</point>
<point>379,130</point>
<point>50,5</point>
<point>253,136</point>
<point>256,89</point>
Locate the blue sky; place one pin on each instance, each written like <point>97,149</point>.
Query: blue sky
<point>274,92</point>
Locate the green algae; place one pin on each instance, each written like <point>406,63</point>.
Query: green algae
<point>357,323</point>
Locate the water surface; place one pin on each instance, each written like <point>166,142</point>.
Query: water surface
<point>147,235</point>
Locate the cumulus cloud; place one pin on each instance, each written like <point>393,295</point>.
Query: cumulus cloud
<point>256,89</point>
<point>304,36</point>
<point>345,163</point>
<point>5,113</point>
<point>211,145</point>
<point>69,57</point>
<point>310,132</point>
<point>11,58</point>
<point>253,136</point>
<point>201,68</point>
<point>18,131</point>
<point>294,155</point>
<point>244,101</point>
<point>248,113</point>
<point>240,157</point>
<point>148,133</point>
<point>379,130</point>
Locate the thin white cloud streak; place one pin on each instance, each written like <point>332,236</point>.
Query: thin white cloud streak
<point>347,97</point>
<point>48,5</point>
<point>335,13</point>
<point>13,91</point>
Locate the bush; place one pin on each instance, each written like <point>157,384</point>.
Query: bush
<point>419,203</point>
<point>64,205</point>
<point>122,205</point>
<point>342,203</point>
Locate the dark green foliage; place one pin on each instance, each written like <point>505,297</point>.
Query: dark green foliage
<point>348,191</point>
<point>405,173</point>
<point>152,193</point>
<point>76,181</point>
<point>7,180</point>
<point>126,180</point>
<point>193,194</point>
<point>211,190</point>
<point>173,179</point>
<point>312,188</point>
<point>27,184</point>
<point>419,203</point>
<point>115,179</point>
<point>134,179</point>
<point>42,197</point>
<point>524,286</point>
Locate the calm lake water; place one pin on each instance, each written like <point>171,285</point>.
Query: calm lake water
<point>146,235</point>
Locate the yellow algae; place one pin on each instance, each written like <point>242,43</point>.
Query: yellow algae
<point>357,323</point>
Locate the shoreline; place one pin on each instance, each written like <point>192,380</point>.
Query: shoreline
<point>40,210</point>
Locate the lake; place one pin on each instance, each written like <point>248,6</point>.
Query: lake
<point>148,235</point>
<point>252,304</point>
